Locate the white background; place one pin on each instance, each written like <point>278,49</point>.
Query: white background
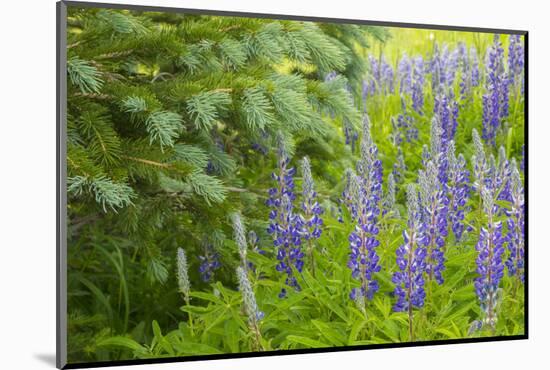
<point>27,185</point>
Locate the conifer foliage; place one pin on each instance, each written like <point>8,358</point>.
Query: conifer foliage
<point>165,112</point>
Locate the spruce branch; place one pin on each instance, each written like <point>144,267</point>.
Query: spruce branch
<point>102,140</point>
<point>256,109</point>
<point>106,192</point>
<point>233,53</point>
<point>164,127</point>
<point>84,75</point>
<point>123,23</point>
<point>191,154</point>
<point>204,108</point>
<point>208,187</point>
<point>134,104</point>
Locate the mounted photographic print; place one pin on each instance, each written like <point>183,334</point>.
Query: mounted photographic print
<point>234,184</point>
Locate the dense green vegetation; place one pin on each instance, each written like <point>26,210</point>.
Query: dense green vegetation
<point>176,124</point>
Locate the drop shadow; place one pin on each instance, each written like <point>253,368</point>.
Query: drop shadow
<point>46,358</point>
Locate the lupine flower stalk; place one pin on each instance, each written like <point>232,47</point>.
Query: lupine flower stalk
<point>404,123</point>
<point>470,75</point>
<point>516,226</point>
<point>418,85</point>
<point>350,134</point>
<point>503,176</point>
<point>184,286</point>
<point>250,307</point>
<point>381,80</point>
<point>446,111</point>
<point>363,260</point>
<point>239,233</point>
<point>434,204</point>
<point>443,67</point>
<point>437,153</point>
<point>495,101</point>
<point>366,189</point>
<point>458,190</point>
<point>285,226</point>
<point>516,59</point>
<point>404,73</point>
<point>411,261</point>
<point>490,248</point>
<point>311,211</point>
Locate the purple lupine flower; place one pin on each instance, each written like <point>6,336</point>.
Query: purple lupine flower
<point>434,204</point>
<point>495,100</point>
<point>404,126</point>
<point>436,69</point>
<point>311,216</point>
<point>387,77</point>
<point>411,260</point>
<point>363,260</point>
<point>446,111</point>
<point>426,155</point>
<point>418,85</point>
<point>366,190</point>
<point>437,153</point>
<point>396,134</point>
<point>474,67</point>
<point>404,75</point>
<point>490,268</point>
<point>331,76</point>
<point>516,226</point>
<point>516,59</point>
<point>381,80</point>
<point>210,262</point>
<point>443,66</point>
<point>285,226</point>
<point>350,134</point>
<point>452,63</point>
<point>469,75</point>
<point>254,242</point>
<point>259,144</point>
<point>288,232</point>
<point>461,55</point>
<point>499,179</point>
<point>458,190</point>
<point>503,177</point>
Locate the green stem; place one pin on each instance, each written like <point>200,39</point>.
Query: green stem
<point>190,316</point>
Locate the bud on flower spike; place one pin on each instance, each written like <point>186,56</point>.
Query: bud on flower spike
<point>240,238</point>
<point>489,261</point>
<point>411,255</point>
<point>183,276</point>
<point>250,307</point>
